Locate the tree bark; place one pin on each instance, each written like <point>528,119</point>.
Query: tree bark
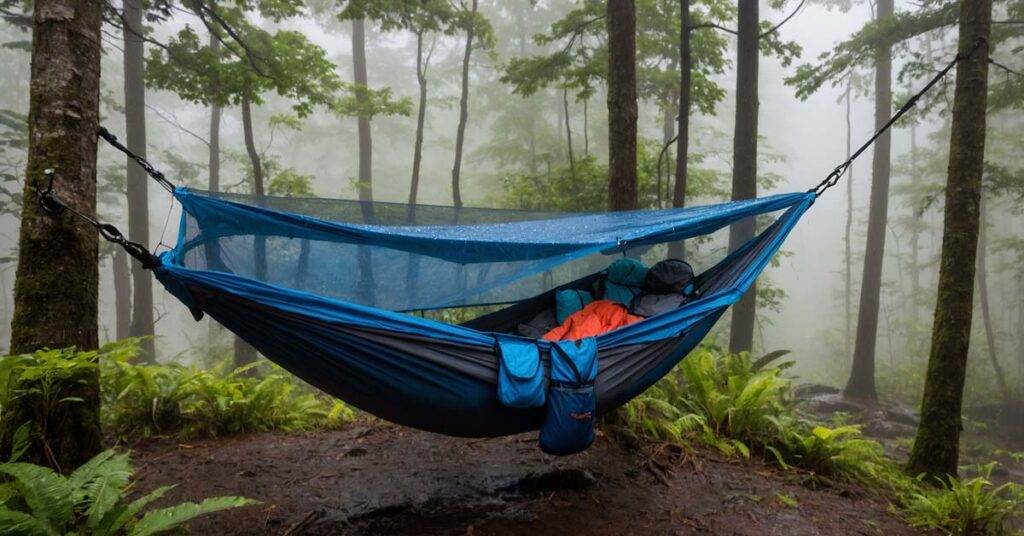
<point>936,449</point>
<point>362,88</point>
<point>138,182</point>
<point>568,135</point>
<point>421,119</point>
<point>986,312</point>
<point>122,294</point>
<point>862,373</point>
<point>460,134</point>
<point>622,105</point>
<point>244,352</point>
<point>57,278</point>
<point>744,169</point>
<point>677,250</point>
<point>212,247</point>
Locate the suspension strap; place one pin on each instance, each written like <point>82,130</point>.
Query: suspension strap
<point>53,205</point>
<point>142,162</point>
<point>840,170</point>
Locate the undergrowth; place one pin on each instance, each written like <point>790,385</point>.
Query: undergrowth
<point>187,402</point>
<point>744,407</point>
<point>94,500</point>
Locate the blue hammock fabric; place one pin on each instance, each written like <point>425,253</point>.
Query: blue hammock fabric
<point>318,287</point>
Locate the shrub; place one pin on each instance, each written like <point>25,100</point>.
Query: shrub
<point>190,402</point>
<point>974,507</point>
<point>92,500</point>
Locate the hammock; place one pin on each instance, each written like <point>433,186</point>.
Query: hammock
<point>319,291</point>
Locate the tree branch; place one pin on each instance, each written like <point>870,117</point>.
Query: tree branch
<point>775,28</point>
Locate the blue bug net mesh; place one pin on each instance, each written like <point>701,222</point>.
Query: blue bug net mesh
<point>402,258</point>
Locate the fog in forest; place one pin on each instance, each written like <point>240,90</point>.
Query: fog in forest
<point>801,142</point>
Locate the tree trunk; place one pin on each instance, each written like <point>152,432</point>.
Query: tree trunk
<point>986,313</point>
<point>586,129</point>
<point>57,279</point>
<point>744,168</point>
<point>212,247</point>
<point>862,373</point>
<point>122,294</point>
<point>848,234</point>
<point>363,254</point>
<point>460,135</point>
<point>137,181</point>
<point>244,352</point>
<point>568,135</point>
<point>936,449</point>
<point>622,105</point>
<point>677,250</point>
<point>668,132</point>
<point>362,89</point>
<point>421,118</point>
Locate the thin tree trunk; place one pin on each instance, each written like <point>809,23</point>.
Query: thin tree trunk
<point>362,89</point>
<point>936,449</point>
<point>57,278</point>
<point>568,135</point>
<point>622,105</point>
<point>848,232</point>
<point>586,129</point>
<point>677,250</point>
<point>668,131</point>
<point>915,232</point>
<point>244,352</point>
<point>363,254</point>
<point>421,118</point>
<point>212,247</point>
<point>744,170</point>
<point>138,182</point>
<point>986,313</point>
<point>460,135</point>
<point>122,294</point>
<point>862,373</point>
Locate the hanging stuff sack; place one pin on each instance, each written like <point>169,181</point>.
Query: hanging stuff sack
<point>569,422</point>
<point>520,373</point>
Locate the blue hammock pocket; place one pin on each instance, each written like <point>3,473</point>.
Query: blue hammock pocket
<point>520,373</point>
<point>569,421</point>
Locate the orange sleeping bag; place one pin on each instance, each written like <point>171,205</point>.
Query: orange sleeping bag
<point>598,317</point>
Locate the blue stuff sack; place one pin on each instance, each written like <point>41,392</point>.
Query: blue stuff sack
<point>570,301</point>
<point>569,422</point>
<point>520,373</point>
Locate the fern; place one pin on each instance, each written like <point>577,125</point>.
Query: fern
<point>92,500</point>
<point>974,507</point>
<point>168,518</point>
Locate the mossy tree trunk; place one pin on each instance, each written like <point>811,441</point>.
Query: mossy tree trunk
<point>861,383</point>
<point>936,448</point>
<point>744,167</point>
<point>622,105</point>
<point>57,279</point>
<point>137,180</point>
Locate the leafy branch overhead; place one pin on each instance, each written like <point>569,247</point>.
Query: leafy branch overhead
<point>288,65</point>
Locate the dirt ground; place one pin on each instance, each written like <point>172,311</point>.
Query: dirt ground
<point>374,478</point>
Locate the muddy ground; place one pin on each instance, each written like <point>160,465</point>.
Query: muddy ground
<point>374,478</point>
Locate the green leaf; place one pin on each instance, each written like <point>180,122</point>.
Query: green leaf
<point>118,518</point>
<point>15,522</point>
<point>171,517</point>
<point>47,494</point>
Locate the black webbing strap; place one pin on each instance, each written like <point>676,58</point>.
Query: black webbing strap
<point>142,162</point>
<point>838,172</point>
<point>52,204</point>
